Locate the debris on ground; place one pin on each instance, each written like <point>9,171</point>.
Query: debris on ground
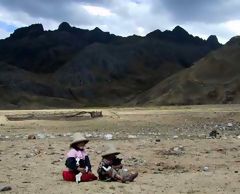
<point>178,150</point>
<point>205,168</point>
<point>132,136</point>
<point>5,188</point>
<point>133,161</point>
<point>213,134</point>
<point>31,136</point>
<point>108,136</point>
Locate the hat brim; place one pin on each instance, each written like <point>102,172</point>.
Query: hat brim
<point>108,154</point>
<point>76,142</point>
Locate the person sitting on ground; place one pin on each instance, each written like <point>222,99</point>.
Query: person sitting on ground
<point>111,168</point>
<point>78,162</point>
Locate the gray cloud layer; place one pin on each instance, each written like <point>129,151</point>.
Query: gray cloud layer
<point>208,11</point>
<point>202,17</point>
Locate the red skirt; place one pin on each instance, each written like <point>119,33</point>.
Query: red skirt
<point>70,176</point>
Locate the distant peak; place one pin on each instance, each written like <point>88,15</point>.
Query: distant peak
<point>155,33</point>
<point>234,41</point>
<point>32,30</point>
<point>213,41</point>
<point>64,26</point>
<point>212,38</point>
<point>179,29</point>
<point>97,29</point>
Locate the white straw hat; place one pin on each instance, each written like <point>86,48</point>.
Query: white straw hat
<point>110,150</point>
<point>77,138</point>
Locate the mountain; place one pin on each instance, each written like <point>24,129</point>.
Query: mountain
<point>213,79</point>
<point>72,67</point>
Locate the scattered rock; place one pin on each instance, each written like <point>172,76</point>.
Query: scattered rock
<point>52,136</point>
<point>132,136</point>
<point>175,137</point>
<point>167,167</point>
<point>205,168</point>
<point>213,134</point>
<point>26,182</point>
<point>5,188</point>
<point>132,161</point>
<point>98,152</point>
<point>29,155</point>
<point>56,161</point>
<point>229,124</point>
<point>221,150</point>
<point>88,135</point>
<point>108,136</point>
<point>178,150</point>
<point>160,164</point>
<point>157,140</point>
<point>31,137</point>
<point>41,136</point>
<point>112,187</point>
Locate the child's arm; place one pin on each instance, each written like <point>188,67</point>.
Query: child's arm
<point>71,163</point>
<point>88,163</point>
<point>117,163</point>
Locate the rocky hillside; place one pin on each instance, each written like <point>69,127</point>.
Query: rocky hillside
<point>213,79</point>
<point>71,67</point>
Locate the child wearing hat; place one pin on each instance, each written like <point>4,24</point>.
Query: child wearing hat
<point>111,168</point>
<point>78,162</point>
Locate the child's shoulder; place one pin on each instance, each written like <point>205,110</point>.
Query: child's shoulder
<point>76,153</point>
<point>72,152</point>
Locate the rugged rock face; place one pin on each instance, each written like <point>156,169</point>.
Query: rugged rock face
<point>213,79</point>
<point>75,67</point>
<point>213,42</point>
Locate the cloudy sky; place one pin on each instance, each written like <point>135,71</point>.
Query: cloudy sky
<point>126,17</point>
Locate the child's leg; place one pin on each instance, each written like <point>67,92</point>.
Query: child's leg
<point>127,176</point>
<point>68,175</point>
<point>88,176</point>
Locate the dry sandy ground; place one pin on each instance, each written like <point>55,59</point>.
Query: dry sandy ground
<point>167,145</point>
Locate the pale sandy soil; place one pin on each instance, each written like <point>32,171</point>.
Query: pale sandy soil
<point>34,166</point>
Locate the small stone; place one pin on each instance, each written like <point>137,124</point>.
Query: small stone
<point>52,136</point>
<point>88,135</point>
<point>157,140</point>
<point>235,171</point>
<point>98,152</point>
<point>108,136</point>
<point>41,136</point>
<point>213,134</point>
<point>175,137</point>
<point>5,188</point>
<point>112,187</point>
<point>229,124</point>
<point>238,137</point>
<point>55,161</point>
<point>205,168</point>
<point>31,137</point>
<point>132,136</point>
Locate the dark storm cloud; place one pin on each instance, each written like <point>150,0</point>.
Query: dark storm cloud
<point>207,11</point>
<point>58,10</point>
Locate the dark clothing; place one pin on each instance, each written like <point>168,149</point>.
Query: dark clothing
<point>111,172</point>
<point>71,163</point>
